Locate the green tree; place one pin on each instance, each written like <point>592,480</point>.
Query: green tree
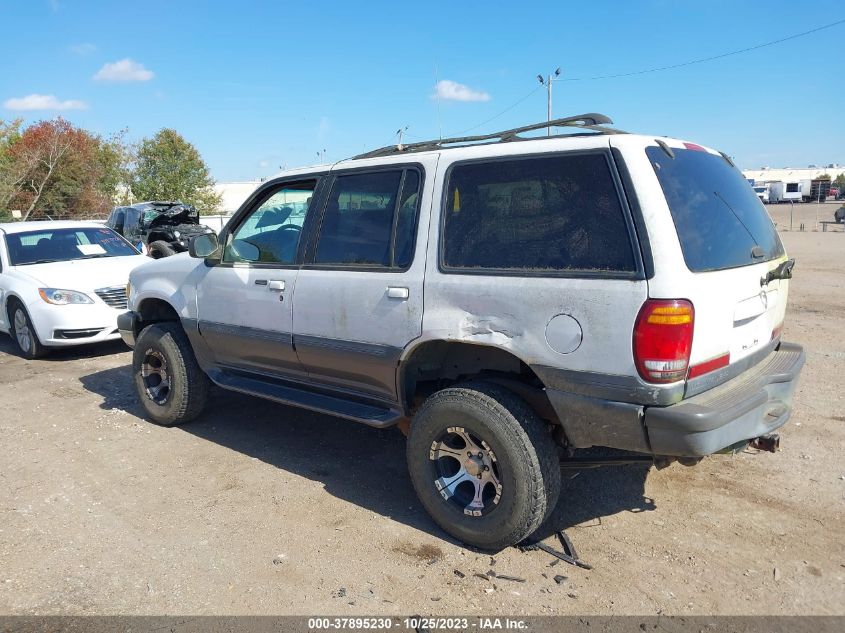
<point>55,169</point>
<point>167,167</point>
<point>839,181</point>
<point>10,176</point>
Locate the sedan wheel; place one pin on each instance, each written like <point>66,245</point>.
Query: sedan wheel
<point>22,332</point>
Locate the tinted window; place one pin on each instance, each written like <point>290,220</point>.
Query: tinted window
<point>792,187</point>
<point>58,245</point>
<point>718,217</point>
<point>363,212</point>
<point>553,213</point>
<point>270,233</point>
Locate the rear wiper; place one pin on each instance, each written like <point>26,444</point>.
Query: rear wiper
<point>756,251</point>
<point>783,271</point>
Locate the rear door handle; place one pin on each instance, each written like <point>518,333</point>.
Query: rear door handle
<point>276,284</point>
<point>395,292</point>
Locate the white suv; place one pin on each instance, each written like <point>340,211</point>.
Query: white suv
<point>497,298</point>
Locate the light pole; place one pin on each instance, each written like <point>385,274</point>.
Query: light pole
<point>321,154</point>
<point>548,83</point>
<point>401,132</point>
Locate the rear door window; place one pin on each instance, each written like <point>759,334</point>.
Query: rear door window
<point>370,220</point>
<point>542,214</point>
<point>720,221</point>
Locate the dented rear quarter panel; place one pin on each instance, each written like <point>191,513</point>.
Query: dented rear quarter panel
<point>512,312</point>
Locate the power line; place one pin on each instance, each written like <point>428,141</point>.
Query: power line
<point>707,59</point>
<point>493,118</point>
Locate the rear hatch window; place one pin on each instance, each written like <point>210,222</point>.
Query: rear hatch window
<point>720,221</point>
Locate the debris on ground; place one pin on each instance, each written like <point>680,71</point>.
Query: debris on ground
<point>460,574</point>
<point>568,555</point>
<point>340,593</point>
<point>559,579</point>
<point>493,574</point>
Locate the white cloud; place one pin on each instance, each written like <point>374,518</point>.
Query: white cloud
<point>447,90</point>
<point>85,48</point>
<point>43,102</point>
<point>124,70</point>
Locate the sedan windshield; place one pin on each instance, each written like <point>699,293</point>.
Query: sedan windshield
<point>59,245</point>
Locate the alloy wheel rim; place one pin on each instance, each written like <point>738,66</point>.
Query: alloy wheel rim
<point>466,471</point>
<point>22,332</point>
<point>155,376</point>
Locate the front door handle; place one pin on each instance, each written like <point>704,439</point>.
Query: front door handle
<point>395,292</point>
<point>278,285</point>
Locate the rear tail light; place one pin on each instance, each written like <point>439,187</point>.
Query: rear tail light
<point>663,339</point>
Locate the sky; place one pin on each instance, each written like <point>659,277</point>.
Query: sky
<point>259,86</point>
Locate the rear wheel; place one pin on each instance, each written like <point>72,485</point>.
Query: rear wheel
<point>24,333</point>
<point>171,386</point>
<point>483,465</point>
<point>160,248</point>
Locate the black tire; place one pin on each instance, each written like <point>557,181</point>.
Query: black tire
<point>526,464</point>
<point>27,338</point>
<point>160,248</point>
<point>179,395</point>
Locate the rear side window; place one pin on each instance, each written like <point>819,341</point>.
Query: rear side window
<point>370,220</point>
<point>551,213</point>
<point>720,221</point>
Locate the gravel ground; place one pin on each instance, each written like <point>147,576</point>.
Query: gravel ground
<point>261,509</point>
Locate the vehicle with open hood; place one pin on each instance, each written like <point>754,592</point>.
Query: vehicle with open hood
<point>158,229</point>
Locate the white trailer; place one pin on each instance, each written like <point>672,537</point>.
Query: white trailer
<point>806,188</point>
<point>776,190</point>
<point>792,191</point>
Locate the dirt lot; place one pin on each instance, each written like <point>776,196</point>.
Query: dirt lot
<point>261,509</point>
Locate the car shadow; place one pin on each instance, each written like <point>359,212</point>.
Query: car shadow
<point>90,350</point>
<point>362,465</point>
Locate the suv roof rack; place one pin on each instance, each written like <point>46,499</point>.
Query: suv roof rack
<point>591,121</point>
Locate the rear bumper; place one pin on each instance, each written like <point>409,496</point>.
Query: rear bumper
<point>127,325</point>
<point>755,403</point>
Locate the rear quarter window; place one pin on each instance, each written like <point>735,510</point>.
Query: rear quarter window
<point>559,213</point>
<point>717,215</point>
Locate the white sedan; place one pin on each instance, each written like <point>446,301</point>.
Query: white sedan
<point>62,283</point>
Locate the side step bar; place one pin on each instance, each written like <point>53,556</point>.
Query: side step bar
<point>371,415</point>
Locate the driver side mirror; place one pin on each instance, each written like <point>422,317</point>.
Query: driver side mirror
<point>203,246</point>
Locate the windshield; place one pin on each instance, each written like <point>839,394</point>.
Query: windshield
<point>720,221</point>
<point>59,245</point>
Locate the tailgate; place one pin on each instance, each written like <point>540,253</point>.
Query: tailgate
<point>729,246</point>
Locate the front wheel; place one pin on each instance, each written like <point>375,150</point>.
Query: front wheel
<point>170,384</point>
<point>24,332</point>
<point>483,465</point>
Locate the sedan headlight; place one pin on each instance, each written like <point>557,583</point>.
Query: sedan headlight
<point>63,297</point>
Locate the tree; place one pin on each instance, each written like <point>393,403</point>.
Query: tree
<point>167,167</point>
<point>10,176</point>
<point>839,181</point>
<point>54,168</point>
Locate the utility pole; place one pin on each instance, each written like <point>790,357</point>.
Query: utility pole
<point>548,83</point>
<point>321,154</point>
